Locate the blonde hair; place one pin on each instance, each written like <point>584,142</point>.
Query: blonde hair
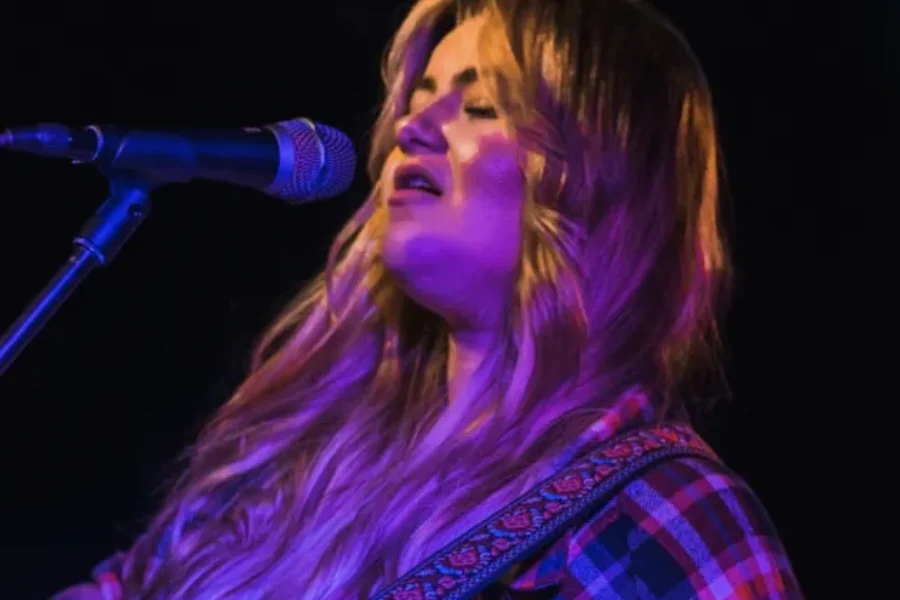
<point>338,463</point>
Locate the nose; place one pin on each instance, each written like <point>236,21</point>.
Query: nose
<point>420,133</point>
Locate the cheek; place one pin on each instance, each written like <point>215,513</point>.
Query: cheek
<point>492,196</point>
<point>489,169</point>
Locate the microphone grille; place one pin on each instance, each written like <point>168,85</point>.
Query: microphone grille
<point>318,162</point>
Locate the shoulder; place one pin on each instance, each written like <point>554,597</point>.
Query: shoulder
<point>686,528</point>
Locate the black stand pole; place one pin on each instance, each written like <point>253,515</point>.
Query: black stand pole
<point>96,244</point>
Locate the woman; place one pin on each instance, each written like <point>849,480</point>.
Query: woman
<point>535,271</point>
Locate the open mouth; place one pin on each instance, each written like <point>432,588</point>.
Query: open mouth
<point>414,177</point>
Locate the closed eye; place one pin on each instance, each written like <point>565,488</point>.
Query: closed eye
<point>482,112</point>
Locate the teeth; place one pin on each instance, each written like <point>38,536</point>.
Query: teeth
<point>420,183</point>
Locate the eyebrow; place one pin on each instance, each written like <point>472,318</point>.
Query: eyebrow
<point>465,77</point>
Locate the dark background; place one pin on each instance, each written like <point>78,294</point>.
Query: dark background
<point>94,412</point>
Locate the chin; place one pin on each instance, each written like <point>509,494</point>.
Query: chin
<point>407,247</point>
<point>422,263</point>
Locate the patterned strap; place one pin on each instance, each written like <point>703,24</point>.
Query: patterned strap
<point>487,551</point>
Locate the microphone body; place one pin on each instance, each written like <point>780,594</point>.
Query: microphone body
<point>297,160</point>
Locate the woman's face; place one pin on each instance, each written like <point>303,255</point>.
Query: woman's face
<point>454,191</point>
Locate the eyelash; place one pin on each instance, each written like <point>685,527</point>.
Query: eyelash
<point>487,112</point>
<point>475,111</point>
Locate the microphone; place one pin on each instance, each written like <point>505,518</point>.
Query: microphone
<point>297,160</point>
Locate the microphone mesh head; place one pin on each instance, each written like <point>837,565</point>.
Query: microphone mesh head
<point>324,161</point>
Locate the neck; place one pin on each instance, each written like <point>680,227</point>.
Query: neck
<point>468,349</point>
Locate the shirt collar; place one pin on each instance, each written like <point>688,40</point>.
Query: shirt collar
<point>632,409</point>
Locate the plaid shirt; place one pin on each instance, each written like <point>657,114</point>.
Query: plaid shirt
<point>687,528</point>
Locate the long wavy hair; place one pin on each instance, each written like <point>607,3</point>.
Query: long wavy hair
<point>339,463</point>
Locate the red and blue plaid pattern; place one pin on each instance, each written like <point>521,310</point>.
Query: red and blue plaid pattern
<point>688,528</point>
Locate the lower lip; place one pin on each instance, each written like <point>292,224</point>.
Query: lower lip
<point>401,197</point>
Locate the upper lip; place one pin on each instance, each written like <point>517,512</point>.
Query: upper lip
<point>408,170</point>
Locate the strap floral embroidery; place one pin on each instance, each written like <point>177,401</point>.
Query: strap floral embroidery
<point>491,548</point>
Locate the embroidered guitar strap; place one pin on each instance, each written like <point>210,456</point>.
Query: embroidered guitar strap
<point>470,563</point>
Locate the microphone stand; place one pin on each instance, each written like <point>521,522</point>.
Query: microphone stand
<point>96,244</point>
